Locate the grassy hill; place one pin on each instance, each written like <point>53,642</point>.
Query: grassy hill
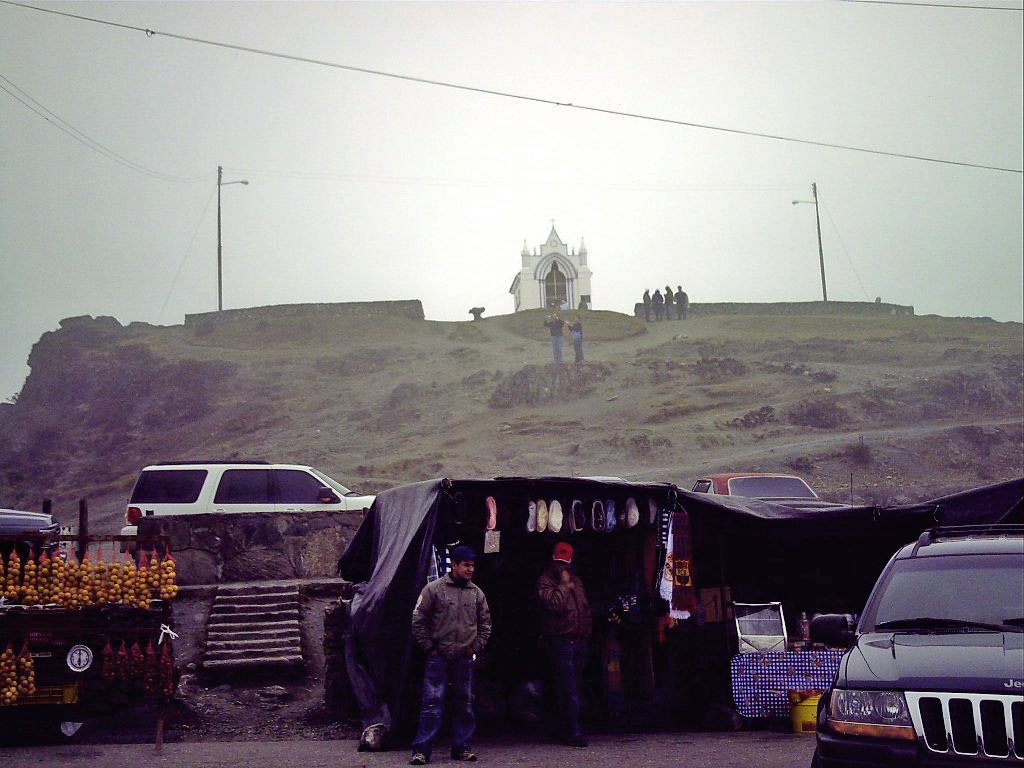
<point>909,407</point>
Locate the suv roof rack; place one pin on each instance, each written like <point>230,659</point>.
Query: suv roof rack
<point>961,531</point>
<point>204,461</point>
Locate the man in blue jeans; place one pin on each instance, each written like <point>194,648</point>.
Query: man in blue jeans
<point>451,623</point>
<point>565,627</point>
<point>555,324</point>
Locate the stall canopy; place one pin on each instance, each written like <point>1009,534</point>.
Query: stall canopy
<point>819,560</point>
<point>390,556</point>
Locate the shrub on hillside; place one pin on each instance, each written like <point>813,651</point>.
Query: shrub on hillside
<point>710,369</point>
<point>858,453</point>
<point>820,414</point>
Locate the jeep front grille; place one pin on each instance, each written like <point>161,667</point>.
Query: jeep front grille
<point>986,726</point>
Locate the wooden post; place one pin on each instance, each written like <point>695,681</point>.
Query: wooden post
<point>158,747</point>
<point>83,528</point>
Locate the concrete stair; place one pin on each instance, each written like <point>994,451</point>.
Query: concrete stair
<point>253,626</point>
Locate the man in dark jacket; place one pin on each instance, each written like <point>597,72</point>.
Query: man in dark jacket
<point>682,303</point>
<point>451,623</point>
<point>565,628</point>
<point>555,325</point>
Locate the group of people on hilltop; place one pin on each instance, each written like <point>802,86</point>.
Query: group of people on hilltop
<point>451,623</point>
<point>665,305</point>
<point>556,325</point>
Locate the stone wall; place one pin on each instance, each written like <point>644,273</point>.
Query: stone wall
<point>411,308</point>
<point>256,546</point>
<point>865,308</point>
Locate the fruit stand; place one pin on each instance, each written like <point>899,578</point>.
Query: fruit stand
<point>83,630</point>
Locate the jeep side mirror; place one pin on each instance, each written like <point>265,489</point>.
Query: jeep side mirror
<point>326,495</point>
<point>832,629</point>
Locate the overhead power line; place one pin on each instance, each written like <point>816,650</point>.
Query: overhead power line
<point>935,5</point>
<point>521,97</point>
<point>60,123</point>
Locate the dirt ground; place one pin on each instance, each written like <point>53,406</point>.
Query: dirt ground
<point>694,750</point>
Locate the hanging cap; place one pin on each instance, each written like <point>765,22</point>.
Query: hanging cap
<point>563,551</point>
<point>462,553</point>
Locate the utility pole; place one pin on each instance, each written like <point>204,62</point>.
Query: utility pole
<point>220,268</point>
<point>821,253</point>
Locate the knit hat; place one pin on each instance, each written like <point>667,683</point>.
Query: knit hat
<point>462,553</point>
<point>563,552</point>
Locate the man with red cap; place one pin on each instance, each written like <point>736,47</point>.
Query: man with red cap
<point>565,629</point>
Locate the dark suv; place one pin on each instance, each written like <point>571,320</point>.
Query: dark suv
<point>934,674</point>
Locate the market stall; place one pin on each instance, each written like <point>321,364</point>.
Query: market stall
<point>662,568</point>
<point>621,534</point>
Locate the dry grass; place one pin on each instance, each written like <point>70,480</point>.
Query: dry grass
<point>383,401</point>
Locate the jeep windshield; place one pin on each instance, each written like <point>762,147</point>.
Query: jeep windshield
<point>979,593</point>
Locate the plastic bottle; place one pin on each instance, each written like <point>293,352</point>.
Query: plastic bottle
<point>805,626</point>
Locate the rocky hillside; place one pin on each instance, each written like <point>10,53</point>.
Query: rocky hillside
<point>908,407</point>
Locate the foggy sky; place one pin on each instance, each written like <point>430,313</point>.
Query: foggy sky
<point>365,187</point>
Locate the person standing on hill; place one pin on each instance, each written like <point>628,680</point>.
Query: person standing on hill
<point>668,302</point>
<point>658,302</point>
<point>576,331</point>
<point>451,623</point>
<point>647,305</point>
<point>555,324</point>
<point>682,303</point>
<point>566,625</point>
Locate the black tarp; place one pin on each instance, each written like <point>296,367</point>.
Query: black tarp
<point>817,560</point>
<point>389,557</point>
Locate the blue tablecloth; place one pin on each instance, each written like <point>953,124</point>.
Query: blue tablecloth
<point>760,681</point>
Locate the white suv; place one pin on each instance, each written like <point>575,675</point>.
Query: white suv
<point>175,488</point>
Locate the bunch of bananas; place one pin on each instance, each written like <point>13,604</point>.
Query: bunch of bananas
<point>26,672</point>
<point>8,677</point>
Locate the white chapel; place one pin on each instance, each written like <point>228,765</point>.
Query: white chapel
<point>552,276</point>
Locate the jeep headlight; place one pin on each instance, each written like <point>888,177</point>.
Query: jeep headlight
<point>878,714</point>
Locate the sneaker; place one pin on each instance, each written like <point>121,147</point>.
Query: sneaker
<point>418,758</point>
<point>464,755</point>
<point>575,741</point>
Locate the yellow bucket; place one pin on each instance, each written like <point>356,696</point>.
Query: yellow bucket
<point>804,714</point>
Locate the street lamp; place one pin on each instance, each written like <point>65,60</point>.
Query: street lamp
<point>220,270</point>
<point>821,254</point>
